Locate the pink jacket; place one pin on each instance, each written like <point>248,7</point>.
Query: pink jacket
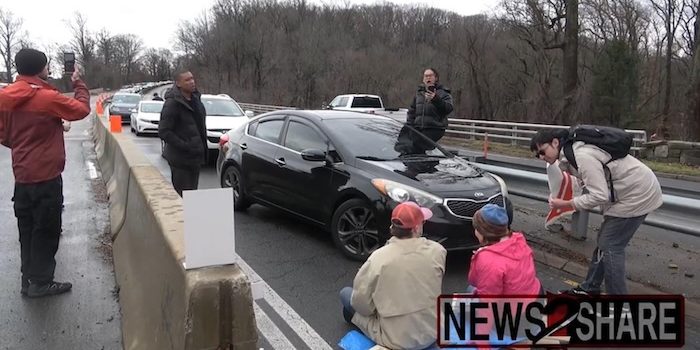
<point>506,267</point>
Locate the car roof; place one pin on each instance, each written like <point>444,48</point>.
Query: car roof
<point>127,94</point>
<point>152,102</point>
<point>360,95</point>
<point>216,97</point>
<point>330,114</point>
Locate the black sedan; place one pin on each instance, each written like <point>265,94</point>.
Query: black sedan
<point>346,171</point>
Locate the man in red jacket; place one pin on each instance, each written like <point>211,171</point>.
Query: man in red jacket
<point>31,125</point>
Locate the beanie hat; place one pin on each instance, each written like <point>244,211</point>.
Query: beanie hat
<point>492,222</point>
<point>30,62</point>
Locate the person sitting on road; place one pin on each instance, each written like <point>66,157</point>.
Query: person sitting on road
<point>393,297</point>
<point>505,263</point>
<point>156,97</point>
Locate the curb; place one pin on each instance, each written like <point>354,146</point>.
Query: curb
<point>692,309</point>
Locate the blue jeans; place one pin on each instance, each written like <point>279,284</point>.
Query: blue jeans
<point>345,297</point>
<point>608,261</point>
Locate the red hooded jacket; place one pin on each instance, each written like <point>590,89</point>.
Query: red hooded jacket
<point>30,124</point>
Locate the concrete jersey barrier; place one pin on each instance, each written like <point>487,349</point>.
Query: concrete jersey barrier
<point>163,305</point>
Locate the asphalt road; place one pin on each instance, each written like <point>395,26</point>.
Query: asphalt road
<point>88,316</point>
<point>300,262</point>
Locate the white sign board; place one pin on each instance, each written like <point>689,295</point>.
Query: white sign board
<point>209,233</point>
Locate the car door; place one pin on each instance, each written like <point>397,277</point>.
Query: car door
<point>258,164</point>
<point>306,184</point>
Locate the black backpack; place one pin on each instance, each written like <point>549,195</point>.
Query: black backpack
<point>614,141</point>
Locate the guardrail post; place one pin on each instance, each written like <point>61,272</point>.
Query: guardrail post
<point>471,137</point>
<point>579,224</point>
<point>514,134</point>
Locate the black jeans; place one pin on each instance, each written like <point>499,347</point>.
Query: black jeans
<point>38,211</point>
<point>184,179</point>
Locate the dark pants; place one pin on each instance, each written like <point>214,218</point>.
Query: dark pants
<point>608,261</point>
<point>434,134</point>
<point>184,179</point>
<point>38,211</point>
<point>348,310</point>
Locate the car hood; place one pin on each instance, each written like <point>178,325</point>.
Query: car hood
<point>442,176</point>
<point>149,116</point>
<point>225,123</point>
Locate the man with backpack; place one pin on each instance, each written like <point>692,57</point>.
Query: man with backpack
<point>624,188</point>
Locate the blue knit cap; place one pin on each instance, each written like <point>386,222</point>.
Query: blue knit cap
<point>494,214</point>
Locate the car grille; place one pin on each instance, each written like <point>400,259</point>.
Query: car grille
<point>465,208</point>
<point>213,139</point>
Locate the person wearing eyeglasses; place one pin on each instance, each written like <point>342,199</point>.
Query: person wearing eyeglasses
<point>625,201</point>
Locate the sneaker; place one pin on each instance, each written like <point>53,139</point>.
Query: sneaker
<point>578,291</point>
<point>51,288</point>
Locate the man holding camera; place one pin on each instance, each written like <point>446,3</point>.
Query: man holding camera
<point>31,125</point>
<point>430,107</point>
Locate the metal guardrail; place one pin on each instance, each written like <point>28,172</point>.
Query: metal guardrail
<point>683,205</point>
<point>262,108</point>
<point>519,132</point>
<point>476,128</point>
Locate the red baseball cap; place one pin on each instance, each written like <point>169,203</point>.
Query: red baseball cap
<point>408,215</point>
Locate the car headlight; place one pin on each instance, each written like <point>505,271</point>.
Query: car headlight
<point>504,188</point>
<point>403,193</point>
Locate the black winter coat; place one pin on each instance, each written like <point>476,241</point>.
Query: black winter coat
<point>431,115</point>
<point>184,130</point>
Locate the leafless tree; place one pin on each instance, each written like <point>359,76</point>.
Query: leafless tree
<point>11,37</point>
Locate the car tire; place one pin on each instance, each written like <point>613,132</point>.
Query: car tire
<point>509,210</point>
<point>231,178</point>
<point>354,229</point>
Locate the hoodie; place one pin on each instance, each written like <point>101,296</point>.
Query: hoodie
<point>506,267</point>
<point>31,114</point>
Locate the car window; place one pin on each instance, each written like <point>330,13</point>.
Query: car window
<point>366,102</point>
<point>342,102</point>
<point>126,99</point>
<point>302,137</point>
<point>221,107</point>
<point>151,107</point>
<point>269,130</point>
<point>252,127</point>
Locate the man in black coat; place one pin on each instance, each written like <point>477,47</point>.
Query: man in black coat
<point>431,107</point>
<point>183,129</point>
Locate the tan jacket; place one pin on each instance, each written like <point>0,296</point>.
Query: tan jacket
<point>637,189</point>
<point>395,293</point>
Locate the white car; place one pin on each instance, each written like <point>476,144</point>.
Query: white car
<point>145,119</point>
<point>223,114</point>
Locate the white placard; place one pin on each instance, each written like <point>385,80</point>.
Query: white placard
<point>209,230</point>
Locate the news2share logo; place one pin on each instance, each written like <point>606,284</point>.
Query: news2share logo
<point>559,320</point>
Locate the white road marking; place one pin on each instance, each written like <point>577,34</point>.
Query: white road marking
<point>272,333</point>
<point>92,170</point>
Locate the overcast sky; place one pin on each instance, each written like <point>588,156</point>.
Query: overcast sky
<point>156,21</point>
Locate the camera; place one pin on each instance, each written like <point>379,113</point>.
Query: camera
<point>431,88</point>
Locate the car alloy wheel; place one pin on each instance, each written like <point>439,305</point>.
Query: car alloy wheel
<point>355,229</point>
<point>232,179</point>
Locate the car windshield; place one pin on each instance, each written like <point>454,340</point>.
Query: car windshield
<point>382,139</point>
<point>151,107</point>
<point>126,99</point>
<point>221,107</point>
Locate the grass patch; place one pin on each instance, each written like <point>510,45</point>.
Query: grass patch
<point>524,152</point>
<point>672,168</point>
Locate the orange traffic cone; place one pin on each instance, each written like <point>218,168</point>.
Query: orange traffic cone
<point>115,123</point>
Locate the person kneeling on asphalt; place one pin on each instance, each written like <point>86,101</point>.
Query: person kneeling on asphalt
<point>505,263</point>
<point>393,297</point>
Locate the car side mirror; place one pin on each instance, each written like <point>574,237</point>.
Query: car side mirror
<point>313,155</point>
<point>249,114</point>
<point>329,107</point>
